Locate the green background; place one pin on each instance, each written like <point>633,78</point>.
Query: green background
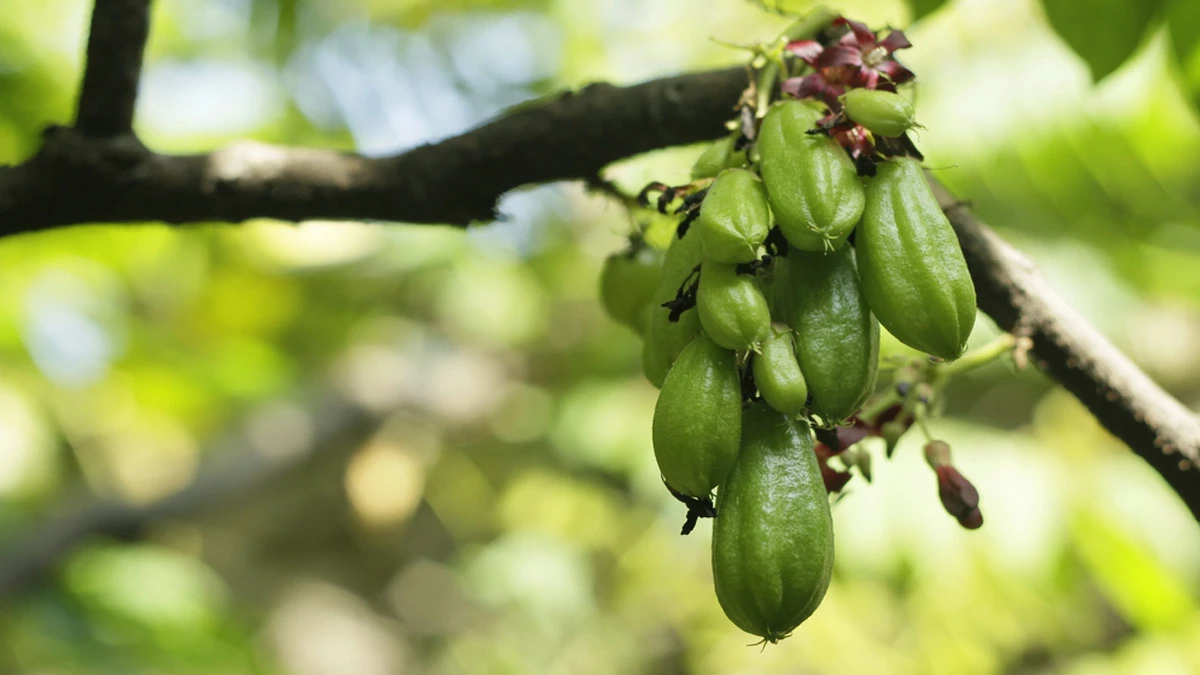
<point>505,515</point>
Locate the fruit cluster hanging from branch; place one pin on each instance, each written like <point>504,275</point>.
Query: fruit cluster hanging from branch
<point>801,232</point>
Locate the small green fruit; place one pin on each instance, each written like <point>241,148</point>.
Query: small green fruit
<point>820,296</point>
<point>665,339</point>
<point>812,185</point>
<point>883,113</point>
<point>627,283</point>
<point>778,376</point>
<point>717,157</point>
<point>734,218</point>
<point>698,418</point>
<point>732,308</point>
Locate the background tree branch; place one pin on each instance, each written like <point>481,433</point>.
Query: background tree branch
<point>270,441</point>
<point>116,41</point>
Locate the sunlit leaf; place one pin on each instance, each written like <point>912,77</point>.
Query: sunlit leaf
<point>1102,32</point>
<point>923,8</point>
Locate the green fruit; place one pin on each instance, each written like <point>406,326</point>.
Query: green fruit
<point>734,218</point>
<point>698,418</point>
<point>911,265</point>
<point>665,339</point>
<point>772,544</point>
<point>812,185</point>
<point>717,157</point>
<point>732,309</point>
<point>627,283</point>
<point>883,113</point>
<point>777,375</point>
<point>838,338</point>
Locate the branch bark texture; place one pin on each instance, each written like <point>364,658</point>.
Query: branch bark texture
<point>116,41</point>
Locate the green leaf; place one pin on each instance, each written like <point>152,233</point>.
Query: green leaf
<point>1183,23</point>
<point>1103,32</point>
<point>922,8</point>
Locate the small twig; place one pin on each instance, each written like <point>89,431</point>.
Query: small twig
<point>116,41</point>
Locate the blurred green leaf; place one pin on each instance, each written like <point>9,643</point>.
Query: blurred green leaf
<point>1103,32</point>
<point>923,8</point>
<point>1183,22</point>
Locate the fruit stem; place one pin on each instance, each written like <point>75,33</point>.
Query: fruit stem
<point>872,409</point>
<point>977,358</point>
<point>807,26</point>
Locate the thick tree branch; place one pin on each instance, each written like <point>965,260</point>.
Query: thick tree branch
<point>114,65</point>
<point>78,179</point>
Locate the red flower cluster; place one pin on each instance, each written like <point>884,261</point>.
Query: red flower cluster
<point>858,59</point>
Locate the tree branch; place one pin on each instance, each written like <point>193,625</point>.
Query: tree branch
<point>114,64</point>
<point>79,179</point>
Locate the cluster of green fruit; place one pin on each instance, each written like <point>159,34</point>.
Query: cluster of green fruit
<point>791,260</point>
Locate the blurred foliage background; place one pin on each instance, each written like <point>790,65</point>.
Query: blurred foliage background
<point>504,514</point>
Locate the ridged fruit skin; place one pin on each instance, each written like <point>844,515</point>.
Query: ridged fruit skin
<point>772,543</point>
<point>812,185</point>
<point>627,283</point>
<point>732,308</point>
<point>910,263</point>
<point>883,113</point>
<point>778,376</point>
<point>664,339</point>
<point>734,217</point>
<point>837,336</point>
<point>717,157</point>
<point>698,418</point>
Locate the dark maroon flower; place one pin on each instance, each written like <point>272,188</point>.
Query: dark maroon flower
<point>858,59</point>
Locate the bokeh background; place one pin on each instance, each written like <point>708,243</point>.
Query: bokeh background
<point>415,449</point>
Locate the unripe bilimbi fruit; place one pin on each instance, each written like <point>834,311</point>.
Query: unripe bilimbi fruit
<point>732,308</point>
<point>812,185</point>
<point>698,418</point>
<point>820,296</point>
<point>778,376</point>
<point>717,157</point>
<point>883,113</point>
<point>665,339</point>
<point>627,283</point>
<point>911,266</point>
<point>734,218</point>
<point>772,544</point>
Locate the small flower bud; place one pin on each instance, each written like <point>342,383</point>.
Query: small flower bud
<point>959,497</point>
<point>937,454</point>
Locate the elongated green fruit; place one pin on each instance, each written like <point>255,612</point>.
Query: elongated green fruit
<point>812,185</point>
<point>732,309</point>
<point>698,418</point>
<point>665,339</point>
<point>912,268</point>
<point>734,217</point>
<point>778,376</point>
<point>772,544</point>
<point>837,336</point>
<point>717,157</point>
<point>884,113</point>
<point>627,283</point>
